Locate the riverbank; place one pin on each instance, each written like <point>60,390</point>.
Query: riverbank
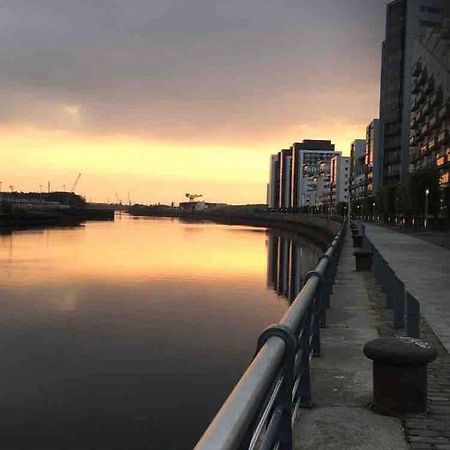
<point>23,219</point>
<point>318,229</point>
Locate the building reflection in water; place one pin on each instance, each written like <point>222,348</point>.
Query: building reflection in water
<point>290,258</point>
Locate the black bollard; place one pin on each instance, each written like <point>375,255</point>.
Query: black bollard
<point>363,260</point>
<point>399,374</point>
<point>358,240</point>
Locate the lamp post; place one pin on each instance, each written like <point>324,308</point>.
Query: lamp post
<point>425,220</point>
<point>373,211</point>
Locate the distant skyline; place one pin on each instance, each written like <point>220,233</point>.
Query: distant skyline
<point>171,96</point>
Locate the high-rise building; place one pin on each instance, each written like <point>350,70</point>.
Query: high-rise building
<point>404,21</point>
<point>357,169</point>
<point>285,178</point>
<point>373,158</point>
<point>300,175</point>
<point>306,159</point>
<point>274,182</point>
<point>430,111</point>
<point>339,180</point>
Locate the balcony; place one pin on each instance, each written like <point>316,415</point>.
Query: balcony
<point>425,128</point>
<point>441,160</point>
<point>445,179</point>
<point>427,107</point>
<point>413,154</point>
<point>429,88</point>
<point>433,122</point>
<point>423,149</point>
<point>432,144</point>
<point>437,98</point>
<point>443,137</point>
<point>423,78</point>
<point>444,112</point>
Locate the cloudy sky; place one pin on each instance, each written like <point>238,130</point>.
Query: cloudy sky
<point>163,97</point>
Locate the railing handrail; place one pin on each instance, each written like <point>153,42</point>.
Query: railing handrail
<point>232,420</point>
<point>241,408</point>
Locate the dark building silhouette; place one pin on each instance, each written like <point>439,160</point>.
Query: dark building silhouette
<point>404,21</point>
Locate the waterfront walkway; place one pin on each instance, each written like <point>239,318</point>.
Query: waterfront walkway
<point>342,376</point>
<point>425,270</point>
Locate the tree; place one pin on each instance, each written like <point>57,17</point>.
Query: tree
<point>389,195</point>
<point>419,182</point>
<point>402,200</point>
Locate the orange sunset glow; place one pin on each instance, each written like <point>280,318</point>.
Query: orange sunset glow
<point>198,110</point>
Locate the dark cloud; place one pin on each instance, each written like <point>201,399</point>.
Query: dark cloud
<point>189,69</point>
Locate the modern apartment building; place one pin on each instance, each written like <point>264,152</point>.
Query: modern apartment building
<point>285,178</point>
<point>357,169</point>
<point>404,21</point>
<point>430,111</point>
<point>372,158</point>
<point>339,180</point>
<point>295,174</point>
<point>306,159</point>
<point>273,200</point>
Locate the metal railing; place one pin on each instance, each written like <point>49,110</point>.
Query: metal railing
<point>260,411</point>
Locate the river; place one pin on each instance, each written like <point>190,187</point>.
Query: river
<point>130,334</point>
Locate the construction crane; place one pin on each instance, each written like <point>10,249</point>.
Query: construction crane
<point>118,199</point>
<point>75,182</point>
<point>192,197</point>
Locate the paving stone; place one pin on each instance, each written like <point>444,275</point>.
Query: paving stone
<point>430,430</point>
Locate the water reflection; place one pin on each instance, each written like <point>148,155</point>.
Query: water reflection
<point>130,335</point>
<point>289,259</point>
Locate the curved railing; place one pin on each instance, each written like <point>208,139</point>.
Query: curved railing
<point>260,411</point>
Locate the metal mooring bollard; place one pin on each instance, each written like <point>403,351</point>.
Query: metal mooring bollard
<point>399,374</point>
<point>363,260</point>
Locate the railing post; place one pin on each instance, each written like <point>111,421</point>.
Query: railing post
<point>285,398</point>
<point>390,287</point>
<point>399,304</point>
<point>319,311</point>
<point>305,380</point>
<point>412,316</point>
<point>321,300</point>
<point>326,281</point>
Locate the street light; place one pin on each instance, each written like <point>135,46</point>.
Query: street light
<point>425,219</point>
<point>373,211</point>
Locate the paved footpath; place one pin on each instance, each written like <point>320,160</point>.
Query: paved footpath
<point>415,261</point>
<point>425,270</point>
<point>342,376</point>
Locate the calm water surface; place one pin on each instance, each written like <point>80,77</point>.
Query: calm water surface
<point>130,335</point>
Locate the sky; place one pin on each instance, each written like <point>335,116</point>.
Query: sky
<point>158,98</point>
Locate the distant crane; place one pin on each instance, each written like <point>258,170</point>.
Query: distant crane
<point>118,199</point>
<point>77,179</point>
<point>192,197</point>
<point>129,199</point>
